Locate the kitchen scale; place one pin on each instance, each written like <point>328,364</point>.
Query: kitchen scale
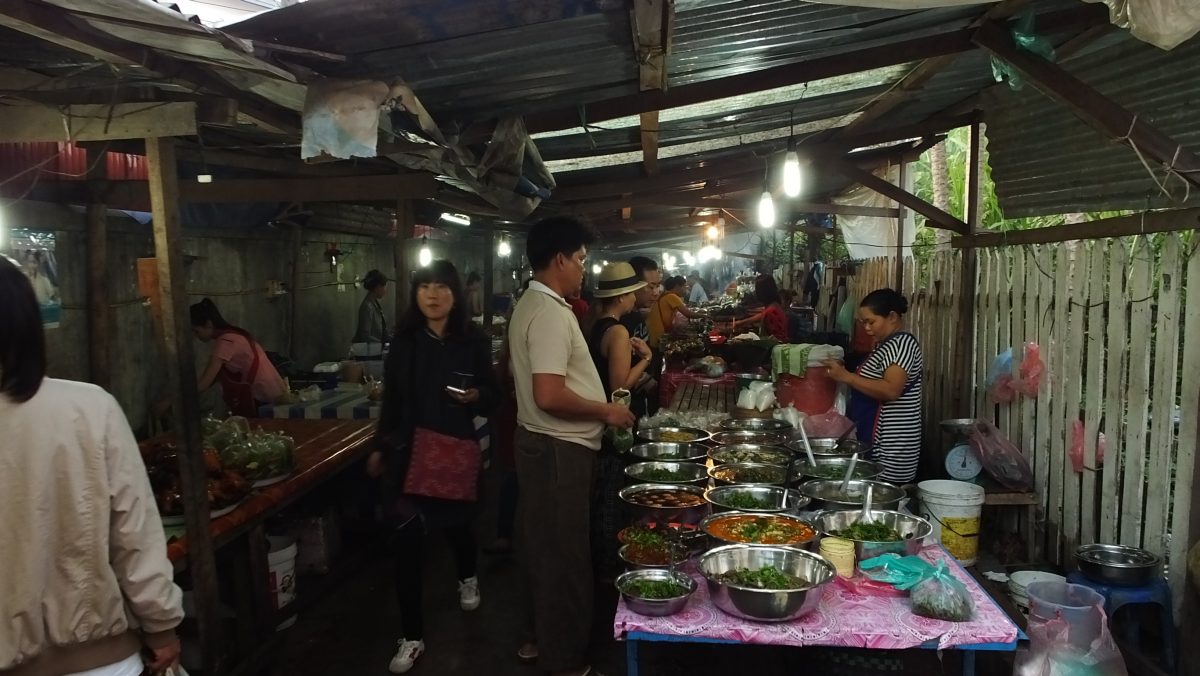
<point>962,463</point>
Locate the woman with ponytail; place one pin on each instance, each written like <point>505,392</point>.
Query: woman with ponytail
<point>248,379</point>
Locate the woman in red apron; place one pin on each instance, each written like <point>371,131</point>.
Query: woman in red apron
<point>248,379</point>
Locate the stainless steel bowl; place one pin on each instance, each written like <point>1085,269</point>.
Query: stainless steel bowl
<point>707,524</point>
<point>913,529</point>
<point>782,500</point>
<point>769,455</point>
<point>957,425</point>
<point>686,516</point>
<point>666,451</point>
<point>748,473</point>
<point>680,557</point>
<point>1118,564</point>
<point>756,424</point>
<point>655,607</point>
<point>766,605</point>
<point>762,437</point>
<point>658,434</point>
<point>832,468</point>
<point>826,446</point>
<point>692,474</point>
<point>827,494</point>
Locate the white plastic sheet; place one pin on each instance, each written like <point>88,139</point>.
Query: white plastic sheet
<point>341,118</point>
<point>872,236</point>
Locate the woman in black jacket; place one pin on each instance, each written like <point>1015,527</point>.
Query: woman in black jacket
<point>438,379</point>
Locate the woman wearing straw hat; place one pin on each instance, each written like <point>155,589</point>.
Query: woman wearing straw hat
<point>621,360</point>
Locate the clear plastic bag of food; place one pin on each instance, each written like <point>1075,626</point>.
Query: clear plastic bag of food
<point>902,572</point>
<point>941,597</point>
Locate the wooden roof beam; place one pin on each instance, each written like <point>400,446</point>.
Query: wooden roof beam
<point>937,217</point>
<point>1089,105</point>
<point>380,188</point>
<point>653,23</point>
<point>97,122</point>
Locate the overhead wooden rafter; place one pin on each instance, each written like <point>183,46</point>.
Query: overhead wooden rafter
<point>97,122</point>
<point>379,188</point>
<point>937,217</point>
<point>653,23</point>
<point>1089,105</point>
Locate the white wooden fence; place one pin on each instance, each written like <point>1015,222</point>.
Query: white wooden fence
<point>1122,354</point>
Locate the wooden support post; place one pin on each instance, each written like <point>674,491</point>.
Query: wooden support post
<point>966,301</point>
<point>489,277</point>
<point>99,313</point>
<point>937,217</point>
<point>294,291</point>
<point>900,216</point>
<point>405,231</point>
<point>181,375</point>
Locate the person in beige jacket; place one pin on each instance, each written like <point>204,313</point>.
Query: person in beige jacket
<point>85,582</point>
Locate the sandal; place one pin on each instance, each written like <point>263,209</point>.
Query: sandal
<point>527,653</point>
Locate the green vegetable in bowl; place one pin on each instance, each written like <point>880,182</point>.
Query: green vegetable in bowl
<point>751,475</point>
<point>667,475</point>
<point>745,501</point>
<point>767,577</point>
<point>654,589</point>
<point>870,531</point>
<point>637,535</point>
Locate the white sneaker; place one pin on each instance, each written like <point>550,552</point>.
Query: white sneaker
<point>406,656</point>
<point>468,593</point>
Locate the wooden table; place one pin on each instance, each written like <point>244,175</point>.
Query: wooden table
<point>716,397</point>
<point>323,449</point>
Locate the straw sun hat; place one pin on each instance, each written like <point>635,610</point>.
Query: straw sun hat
<point>617,279</point>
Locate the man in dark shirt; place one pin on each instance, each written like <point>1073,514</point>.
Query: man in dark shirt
<point>647,270</point>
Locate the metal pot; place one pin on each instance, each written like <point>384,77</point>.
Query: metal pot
<point>756,424</point>
<point>835,466</point>
<point>766,605</point>
<point>769,455</point>
<point>666,451</point>
<point>1118,564</point>
<point>827,494</point>
<point>739,473</point>
<point>827,446</point>
<point>658,434</point>
<point>738,437</point>
<point>707,524</point>
<point>655,607</point>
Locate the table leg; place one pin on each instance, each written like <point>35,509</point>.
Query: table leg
<point>968,662</point>
<point>631,657</point>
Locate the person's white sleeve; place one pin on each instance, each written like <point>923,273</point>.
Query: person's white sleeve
<point>549,345</point>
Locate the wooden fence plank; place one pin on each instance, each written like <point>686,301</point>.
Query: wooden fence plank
<point>1094,390</point>
<point>1114,391</point>
<point>1137,393</point>
<point>1041,467</point>
<point>1185,456</point>
<point>1059,368</point>
<point>1073,375</point>
<point>1020,404</point>
<point>982,313</point>
<point>1004,329</point>
<point>1162,410</point>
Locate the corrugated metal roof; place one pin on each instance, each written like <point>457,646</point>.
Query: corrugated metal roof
<point>1045,160</point>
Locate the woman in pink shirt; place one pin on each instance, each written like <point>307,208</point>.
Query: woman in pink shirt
<point>248,379</point>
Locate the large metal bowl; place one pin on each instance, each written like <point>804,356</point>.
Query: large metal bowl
<point>913,529</point>
<point>827,494</point>
<point>1117,564</point>
<point>769,455</point>
<point>766,605</point>
<point>666,451</point>
<point>664,434</point>
<point>782,500</point>
<point>738,473</point>
<point>832,468</point>
<point>707,525</point>
<point>826,446</point>
<point>686,516</point>
<point>761,437</point>
<point>756,424</point>
<point>691,474</point>
<point>655,607</point>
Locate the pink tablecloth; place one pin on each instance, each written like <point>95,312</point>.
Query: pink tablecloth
<point>843,619</point>
<point>671,380</point>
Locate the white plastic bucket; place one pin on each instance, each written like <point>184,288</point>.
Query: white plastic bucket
<point>954,509</point>
<point>281,566</point>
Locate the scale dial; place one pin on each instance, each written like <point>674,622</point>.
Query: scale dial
<point>962,463</point>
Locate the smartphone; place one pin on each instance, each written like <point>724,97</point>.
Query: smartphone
<point>455,390</point>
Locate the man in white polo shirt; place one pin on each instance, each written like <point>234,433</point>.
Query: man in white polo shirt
<point>561,414</point>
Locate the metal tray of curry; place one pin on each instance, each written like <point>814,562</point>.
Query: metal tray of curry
<point>765,529</point>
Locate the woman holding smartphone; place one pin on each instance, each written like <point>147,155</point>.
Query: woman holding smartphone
<point>438,378</point>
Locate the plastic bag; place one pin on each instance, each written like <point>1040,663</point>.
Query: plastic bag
<point>1166,24</point>
<point>902,572</point>
<point>1000,457</point>
<point>1052,653</point>
<point>999,381</point>
<point>942,597</point>
<point>1031,371</point>
<point>1075,450</point>
<point>828,424</point>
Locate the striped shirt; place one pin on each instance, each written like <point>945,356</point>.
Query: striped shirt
<point>897,442</point>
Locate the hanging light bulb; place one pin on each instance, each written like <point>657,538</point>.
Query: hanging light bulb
<point>766,210</point>
<point>596,268</point>
<point>425,257</point>
<point>791,173</point>
<point>504,248</point>
<point>713,232</point>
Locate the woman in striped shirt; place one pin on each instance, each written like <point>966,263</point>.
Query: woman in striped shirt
<point>885,399</point>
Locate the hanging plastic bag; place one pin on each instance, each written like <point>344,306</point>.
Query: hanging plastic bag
<point>1000,457</point>
<point>828,424</point>
<point>942,597</point>
<point>999,381</point>
<point>1052,653</point>
<point>1075,451</point>
<point>1030,373</point>
<point>1025,38</point>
